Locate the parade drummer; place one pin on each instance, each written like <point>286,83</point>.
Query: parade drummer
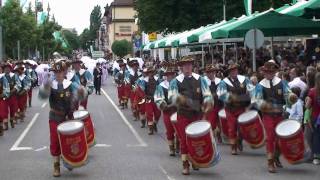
<point>271,95</point>
<point>31,73</point>
<point>213,83</point>
<point>11,101</point>
<point>140,97</point>
<point>150,83</point>
<point>133,75</point>
<point>120,78</point>
<point>4,94</point>
<point>61,93</point>
<point>191,94</point>
<point>22,94</point>
<point>235,91</point>
<point>161,99</point>
<point>83,79</point>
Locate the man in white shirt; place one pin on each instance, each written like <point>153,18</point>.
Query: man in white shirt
<point>296,80</point>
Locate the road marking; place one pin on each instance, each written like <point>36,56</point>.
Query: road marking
<point>166,173</point>
<point>15,146</point>
<point>102,145</point>
<point>44,105</point>
<point>125,120</point>
<point>41,149</point>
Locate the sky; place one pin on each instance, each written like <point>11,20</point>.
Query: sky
<point>73,13</point>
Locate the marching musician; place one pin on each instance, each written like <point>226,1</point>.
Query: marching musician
<point>133,75</point>
<point>162,101</point>
<point>120,80</point>
<point>31,73</point>
<point>22,94</point>
<point>140,97</point>
<point>213,83</point>
<point>83,79</point>
<point>61,93</point>
<point>11,101</point>
<point>191,94</point>
<point>235,91</point>
<point>153,114</point>
<point>4,94</point>
<point>271,95</point>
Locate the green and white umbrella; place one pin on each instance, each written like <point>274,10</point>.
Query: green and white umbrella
<point>307,9</point>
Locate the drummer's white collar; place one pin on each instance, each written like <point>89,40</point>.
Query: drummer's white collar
<point>180,77</point>
<point>165,84</point>
<point>266,83</point>
<point>146,79</point>
<point>239,77</point>
<point>216,80</point>
<point>22,76</point>
<point>66,83</point>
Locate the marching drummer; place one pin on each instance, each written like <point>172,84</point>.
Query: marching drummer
<point>84,79</point>
<point>4,94</point>
<point>33,78</point>
<point>120,80</point>
<point>234,91</point>
<point>12,101</point>
<point>161,99</point>
<point>271,95</point>
<point>191,93</point>
<point>213,83</point>
<point>153,114</point>
<point>133,76</point>
<point>22,95</point>
<point>60,93</point>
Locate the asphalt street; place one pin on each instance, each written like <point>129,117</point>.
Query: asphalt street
<point>124,151</point>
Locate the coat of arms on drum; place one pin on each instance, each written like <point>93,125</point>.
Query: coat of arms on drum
<point>75,149</point>
<point>199,151</point>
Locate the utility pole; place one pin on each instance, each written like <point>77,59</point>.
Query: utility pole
<point>223,44</point>
<point>18,46</point>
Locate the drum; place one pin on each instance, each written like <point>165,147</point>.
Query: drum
<point>223,125</point>
<point>251,129</point>
<point>291,140</point>
<point>202,148</point>
<point>84,116</point>
<point>73,144</point>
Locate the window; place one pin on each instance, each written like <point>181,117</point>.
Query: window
<point>125,29</point>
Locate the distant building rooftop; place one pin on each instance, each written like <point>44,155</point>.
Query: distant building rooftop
<point>122,3</point>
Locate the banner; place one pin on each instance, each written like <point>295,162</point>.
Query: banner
<point>248,7</point>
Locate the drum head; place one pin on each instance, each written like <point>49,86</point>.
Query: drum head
<point>247,116</point>
<point>174,118</point>
<point>222,113</point>
<point>287,128</point>
<point>197,129</point>
<point>80,114</point>
<point>70,127</point>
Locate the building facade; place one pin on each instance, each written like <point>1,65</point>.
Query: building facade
<point>118,23</point>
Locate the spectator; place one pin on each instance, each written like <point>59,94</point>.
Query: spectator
<point>313,103</point>
<point>296,111</point>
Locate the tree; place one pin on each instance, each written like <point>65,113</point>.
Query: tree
<point>85,38</point>
<point>95,21</point>
<point>121,48</point>
<point>71,38</point>
<point>167,16</point>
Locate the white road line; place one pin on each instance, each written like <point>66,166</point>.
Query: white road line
<point>102,145</point>
<point>15,146</point>
<point>41,149</point>
<point>44,105</point>
<point>125,120</point>
<point>166,173</point>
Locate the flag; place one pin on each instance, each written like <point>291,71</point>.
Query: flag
<point>248,7</point>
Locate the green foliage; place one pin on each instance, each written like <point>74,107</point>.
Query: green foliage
<point>121,48</point>
<point>89,35</point>
<point>22,26</point>
<point>178,15</point>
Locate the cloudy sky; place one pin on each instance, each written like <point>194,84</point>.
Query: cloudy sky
<point>73,13</point>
